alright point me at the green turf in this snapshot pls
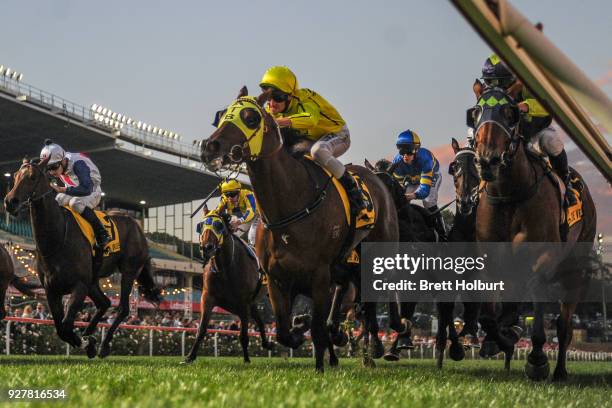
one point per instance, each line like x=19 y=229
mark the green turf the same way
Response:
x=227 y=382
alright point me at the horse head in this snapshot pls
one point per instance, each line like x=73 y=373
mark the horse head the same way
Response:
x=243 y=133
x=495 y=120
x=465 y=177
x=29 y=184
x=214 y=230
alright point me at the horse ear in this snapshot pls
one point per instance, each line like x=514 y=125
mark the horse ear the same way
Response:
x=263 y=98
x=243 y=92
x=477 y=87
x=515 y=89
x=368 y=165
x=455 y=145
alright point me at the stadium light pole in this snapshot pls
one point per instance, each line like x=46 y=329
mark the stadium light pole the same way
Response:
x=143 y=203
x=7 y=176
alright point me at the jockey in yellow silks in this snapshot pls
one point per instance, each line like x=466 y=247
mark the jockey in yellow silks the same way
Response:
x=239 y=203
x=313 y=117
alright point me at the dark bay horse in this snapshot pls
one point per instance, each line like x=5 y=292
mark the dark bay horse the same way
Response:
x=415 y=225
x=520 y=203
x=65 y=263
x=8 y=277
x=307 y=231
x=231 y=280
x=467 y=181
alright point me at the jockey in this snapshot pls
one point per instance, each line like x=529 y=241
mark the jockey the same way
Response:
x=81 y=189
x=535 y=126
x=241 y=205
x=417 y=169
x=314 y=118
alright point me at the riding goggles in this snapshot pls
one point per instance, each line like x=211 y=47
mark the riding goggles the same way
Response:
x=232 y=194
x=409 y=150
x=54 y=166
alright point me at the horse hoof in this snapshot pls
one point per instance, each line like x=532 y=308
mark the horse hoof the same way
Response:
x=90 y=349
x=456 y=352
x=333 y=362
x=104 y=351
x=405 y=343
x=302 y=321
x=537 y=372
x=489 y=349
x=247 y=361
x=392 y=356
x=377 y=350
x=559 y=375
x=340 y=339
x=369 y=363
x=187 y=361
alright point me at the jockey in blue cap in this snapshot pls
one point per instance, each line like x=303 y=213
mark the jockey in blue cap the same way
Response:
x=417 y=169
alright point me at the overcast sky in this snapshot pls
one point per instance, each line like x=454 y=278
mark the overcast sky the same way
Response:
x=386 y=66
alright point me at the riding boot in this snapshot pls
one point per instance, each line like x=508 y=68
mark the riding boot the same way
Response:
x=354 y=192
x=102 y=237
x=559 y=164
x=438 y=223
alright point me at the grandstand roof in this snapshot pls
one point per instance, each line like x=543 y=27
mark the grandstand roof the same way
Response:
x=127 y=177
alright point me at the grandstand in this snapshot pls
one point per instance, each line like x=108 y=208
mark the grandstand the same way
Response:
x=144 y=169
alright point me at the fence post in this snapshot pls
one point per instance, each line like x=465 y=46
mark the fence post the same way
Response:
x=8 y=337
x=269 y=351
x=151 y=343
x=103 y=332
x=67 y=349
x=183 y=343
x=216 y=344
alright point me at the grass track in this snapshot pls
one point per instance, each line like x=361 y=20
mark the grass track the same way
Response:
x=227 y=382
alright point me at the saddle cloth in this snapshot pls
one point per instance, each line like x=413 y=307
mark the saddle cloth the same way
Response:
x=366 y=218
x=114 y=244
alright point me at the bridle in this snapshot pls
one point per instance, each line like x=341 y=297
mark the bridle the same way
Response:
x=32 y=197
x=473 y=194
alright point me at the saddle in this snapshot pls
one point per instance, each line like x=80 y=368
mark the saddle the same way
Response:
x=569 y=215
x=365 y=218
x=113 y=246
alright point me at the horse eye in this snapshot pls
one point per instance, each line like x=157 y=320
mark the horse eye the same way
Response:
x=250 y=117
x=451 y=169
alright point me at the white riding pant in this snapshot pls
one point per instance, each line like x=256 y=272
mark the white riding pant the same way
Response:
x=77 y=203
x=330 y=146
x=250 y=229
x=432 y=198
x=547 y=142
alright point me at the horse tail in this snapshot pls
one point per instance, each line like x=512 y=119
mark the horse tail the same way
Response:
x=146 y=284
x=23 y=287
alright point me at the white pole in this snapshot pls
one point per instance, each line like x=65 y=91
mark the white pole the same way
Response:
x=8 y=338
x=269 y=351
x=216 y=344
x=151 y=343
x=183 y=344
x=67 y=349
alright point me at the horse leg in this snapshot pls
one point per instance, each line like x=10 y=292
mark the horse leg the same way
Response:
x=564 y=334
x=445 y=310
x=281 y=306
x=206 y=307
x=244 y=335
x=320 y=309
x=537 y=367
x=405 y=334
x=333 y=358
x=470 y=328
x=376 y=347
x=260 y=326
x=488 y=323
x=510 y=332
x=57 y=312
x=338 y=337
x=127 y=281
x=75 y=304
x=102 y=304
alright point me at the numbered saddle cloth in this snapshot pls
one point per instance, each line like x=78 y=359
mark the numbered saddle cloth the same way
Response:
x=113 y=246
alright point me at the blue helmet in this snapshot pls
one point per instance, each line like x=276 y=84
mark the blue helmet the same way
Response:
x=408 y=141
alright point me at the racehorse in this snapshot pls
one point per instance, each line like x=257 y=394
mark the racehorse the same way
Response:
x=467 y=181
x=65 y=262
x=307 y=231
x=415 y=225
x=8 y=277
x=231 y=280
x=521 y=203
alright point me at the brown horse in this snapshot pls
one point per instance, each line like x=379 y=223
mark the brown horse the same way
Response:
x=66 y=264
x=8 y=277
x=307 y=231
x=231 y=280
x=520 y=204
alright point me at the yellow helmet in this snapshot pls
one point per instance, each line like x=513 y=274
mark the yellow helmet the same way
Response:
x=281 y=78
x=230 y=185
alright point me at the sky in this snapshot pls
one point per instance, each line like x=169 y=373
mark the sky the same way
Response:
x=386 y=66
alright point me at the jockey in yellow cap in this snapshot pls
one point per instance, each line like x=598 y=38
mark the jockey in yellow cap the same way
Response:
x=241 y=205
x=314 y=118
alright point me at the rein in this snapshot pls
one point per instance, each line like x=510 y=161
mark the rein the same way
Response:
x=521 y=196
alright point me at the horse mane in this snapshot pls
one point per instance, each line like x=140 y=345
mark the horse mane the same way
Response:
x=295 y=144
